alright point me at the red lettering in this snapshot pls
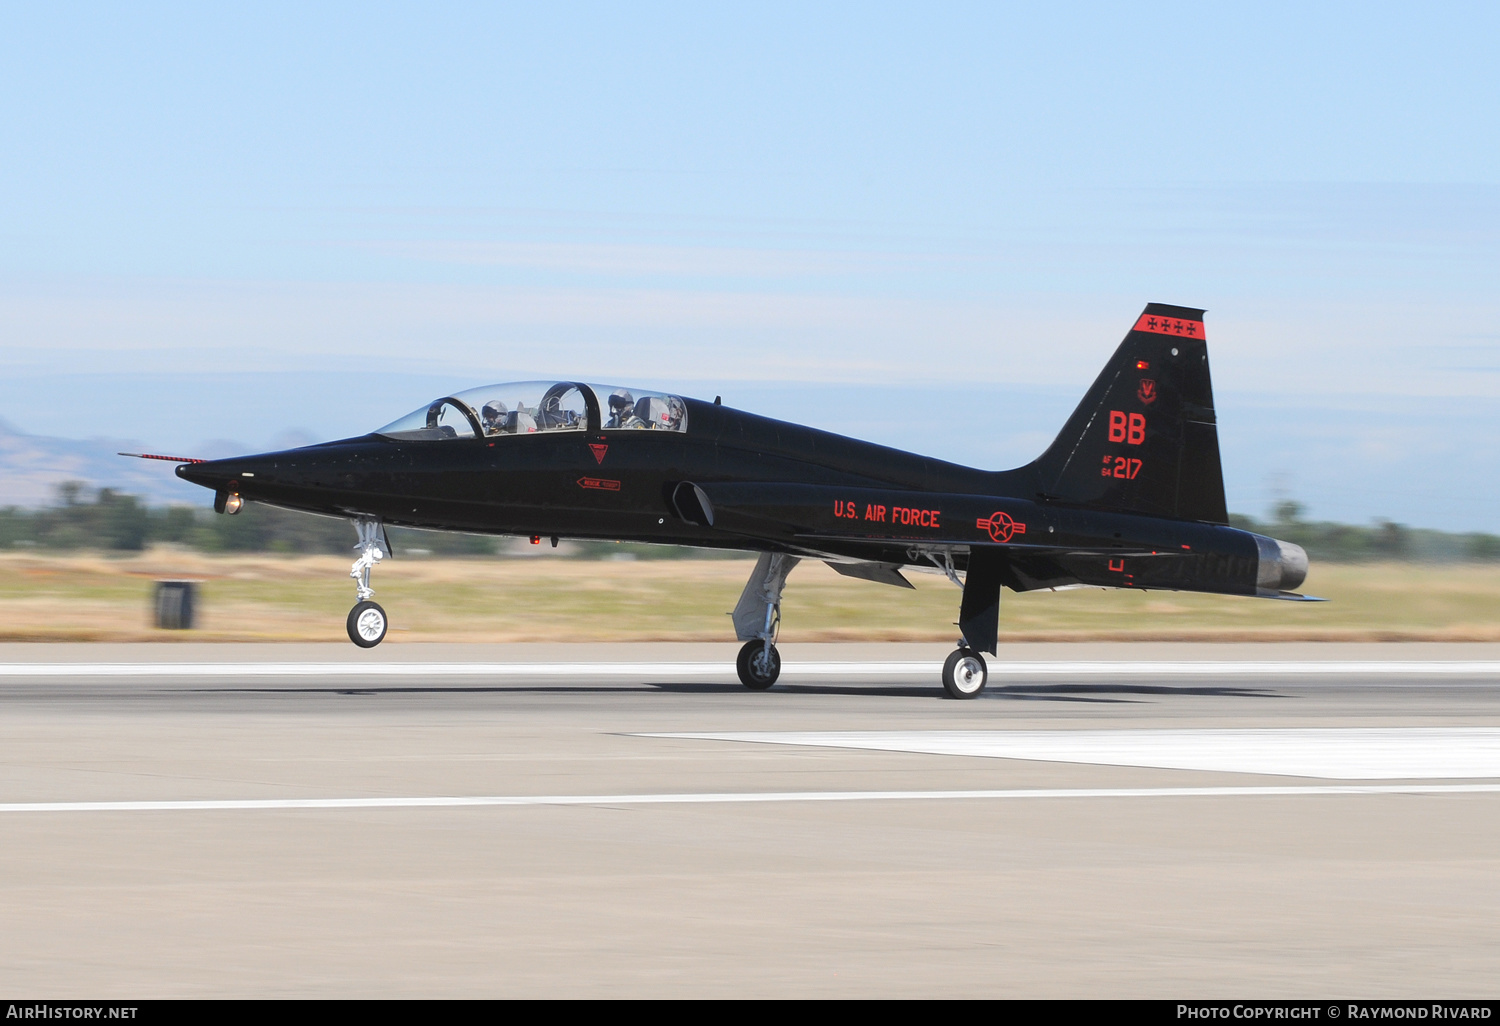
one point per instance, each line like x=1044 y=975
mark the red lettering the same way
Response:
x=1137 y=432
x=1116 y=426
x=905 y=515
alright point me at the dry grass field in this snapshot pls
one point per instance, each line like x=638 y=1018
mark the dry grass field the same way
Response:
x=94 y=597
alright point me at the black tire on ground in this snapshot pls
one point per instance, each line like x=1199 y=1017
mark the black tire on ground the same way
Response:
x=367 y=624
x=965 y=674
x=757 y=671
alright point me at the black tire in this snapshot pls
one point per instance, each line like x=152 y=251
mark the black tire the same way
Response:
x=367 y=624
x=757 y=671
x=965 y=674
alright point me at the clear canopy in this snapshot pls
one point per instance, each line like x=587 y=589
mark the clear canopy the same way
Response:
x=530 y=407
x=631 y=408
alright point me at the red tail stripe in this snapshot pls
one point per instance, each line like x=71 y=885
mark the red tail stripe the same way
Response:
x=1159 y=325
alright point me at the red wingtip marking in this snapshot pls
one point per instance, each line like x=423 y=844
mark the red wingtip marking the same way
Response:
x=153 y=456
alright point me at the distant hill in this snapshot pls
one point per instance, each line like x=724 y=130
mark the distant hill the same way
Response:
x=32 y=466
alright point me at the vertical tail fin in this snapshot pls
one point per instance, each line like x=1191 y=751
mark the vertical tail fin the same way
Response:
x=1144 y=440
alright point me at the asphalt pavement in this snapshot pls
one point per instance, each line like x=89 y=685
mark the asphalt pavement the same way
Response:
x=1133 y=820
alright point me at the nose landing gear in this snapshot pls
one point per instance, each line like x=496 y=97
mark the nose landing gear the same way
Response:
x=367 y=622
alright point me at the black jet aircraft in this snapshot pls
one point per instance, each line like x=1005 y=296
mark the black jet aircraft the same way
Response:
x=1130 y=495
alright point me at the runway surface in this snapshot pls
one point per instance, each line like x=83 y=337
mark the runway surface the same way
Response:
x=1180 y=821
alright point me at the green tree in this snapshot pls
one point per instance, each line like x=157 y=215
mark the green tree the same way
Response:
x=123 y=522
x=1391 y=540
x=1482 y=546
x=1288 y=511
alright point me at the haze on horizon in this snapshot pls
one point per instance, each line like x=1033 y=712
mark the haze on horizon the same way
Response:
x=927 y=226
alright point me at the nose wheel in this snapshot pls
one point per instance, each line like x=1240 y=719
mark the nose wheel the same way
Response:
x=367 y=621
x=367 y=624
x=965 y=674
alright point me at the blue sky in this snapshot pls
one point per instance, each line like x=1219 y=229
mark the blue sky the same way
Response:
x=925 y=224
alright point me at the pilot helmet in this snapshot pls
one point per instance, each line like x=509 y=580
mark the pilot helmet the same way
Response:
x=493 y=414
x=620 y=402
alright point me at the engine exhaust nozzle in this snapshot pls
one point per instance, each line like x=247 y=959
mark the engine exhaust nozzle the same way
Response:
x=1282 y=565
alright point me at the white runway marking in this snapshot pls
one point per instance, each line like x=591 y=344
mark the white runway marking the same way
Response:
x=998 y=670
x=1385 y=753
x=371 y=669
x=730 y=798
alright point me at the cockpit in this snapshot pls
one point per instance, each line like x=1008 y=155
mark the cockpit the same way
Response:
x=533 y=407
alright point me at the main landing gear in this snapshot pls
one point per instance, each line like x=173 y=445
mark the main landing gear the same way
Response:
x=758 y=664
x=757 y=618
x=965 y=673
x=367 y=621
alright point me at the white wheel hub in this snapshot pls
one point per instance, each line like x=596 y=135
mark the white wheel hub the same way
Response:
x=969 y=675
x=371 y=624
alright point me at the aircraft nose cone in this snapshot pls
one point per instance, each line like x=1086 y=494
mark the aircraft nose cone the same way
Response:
x=238 y=474
x=209 y=474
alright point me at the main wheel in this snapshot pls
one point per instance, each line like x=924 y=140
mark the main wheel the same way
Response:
x=367 y=624
x=758 y=668
x=964 y=674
